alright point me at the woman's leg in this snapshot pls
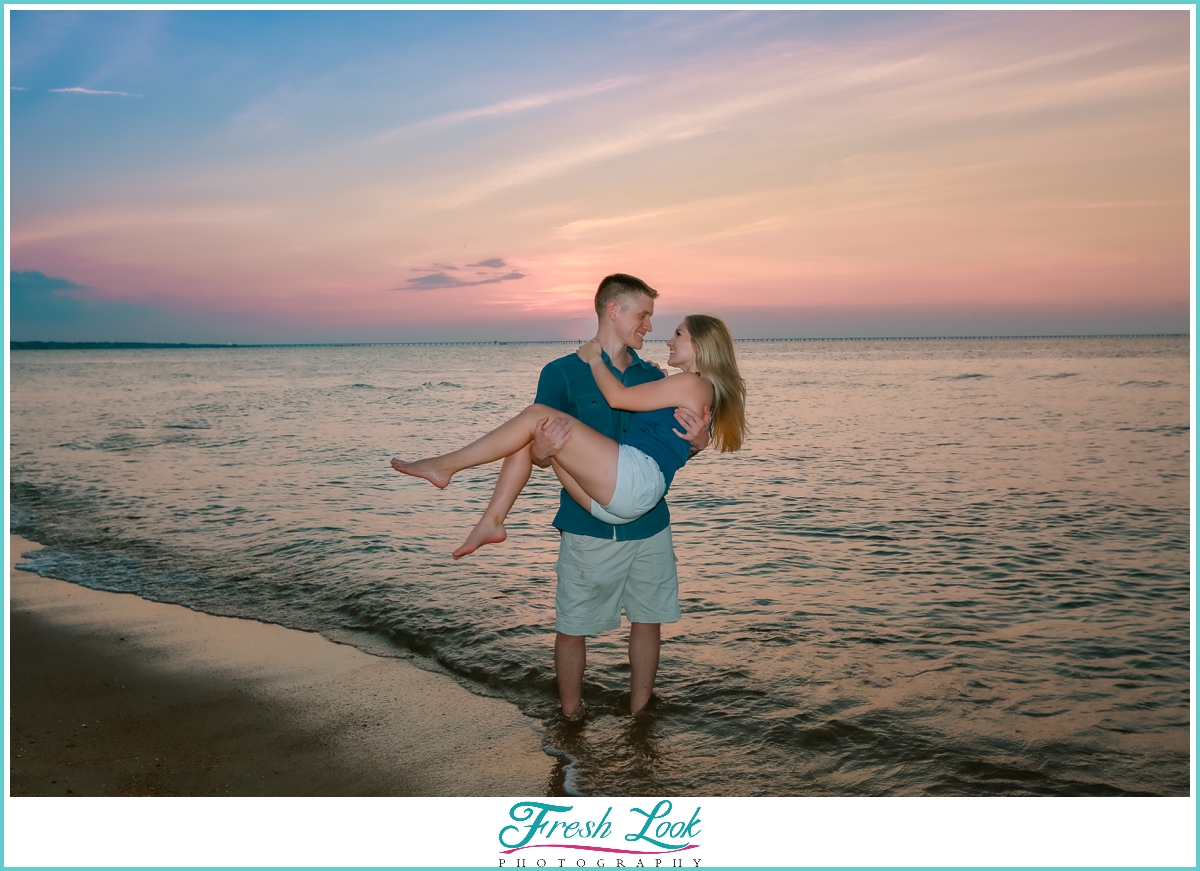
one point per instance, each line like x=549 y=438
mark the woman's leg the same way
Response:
x=572 y=486
x=514 y=474
x=589 y=457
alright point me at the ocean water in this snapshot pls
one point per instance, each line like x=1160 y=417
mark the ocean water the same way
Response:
x=943 y=567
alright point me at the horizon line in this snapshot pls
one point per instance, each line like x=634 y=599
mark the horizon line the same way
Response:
x=36 y=345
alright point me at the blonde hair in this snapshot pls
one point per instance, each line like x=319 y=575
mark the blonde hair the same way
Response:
x=715 y=361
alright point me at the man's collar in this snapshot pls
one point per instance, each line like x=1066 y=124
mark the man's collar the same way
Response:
x=633 y=358
x=639 y=360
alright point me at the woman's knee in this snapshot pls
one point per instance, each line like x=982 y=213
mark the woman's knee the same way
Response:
x=538 y=411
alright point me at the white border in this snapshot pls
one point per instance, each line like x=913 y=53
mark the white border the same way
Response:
x=811 y=832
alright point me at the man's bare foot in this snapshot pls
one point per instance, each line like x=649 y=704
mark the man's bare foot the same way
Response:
x=485 y=532
x=578 y=715
x=422 y=469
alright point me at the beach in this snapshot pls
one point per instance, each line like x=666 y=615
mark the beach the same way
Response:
x=112 y=694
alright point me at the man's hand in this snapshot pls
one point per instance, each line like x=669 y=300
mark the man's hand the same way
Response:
x=589 y=352
x=549 y=435
x=695 y=427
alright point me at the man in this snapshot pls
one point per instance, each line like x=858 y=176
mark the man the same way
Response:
x=604 y=569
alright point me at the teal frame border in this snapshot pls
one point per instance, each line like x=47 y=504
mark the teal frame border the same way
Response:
x=850 y=4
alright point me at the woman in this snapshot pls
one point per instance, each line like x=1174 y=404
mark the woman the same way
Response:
x=617 y=483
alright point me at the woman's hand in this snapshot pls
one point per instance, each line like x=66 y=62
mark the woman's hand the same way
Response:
x=590 y=352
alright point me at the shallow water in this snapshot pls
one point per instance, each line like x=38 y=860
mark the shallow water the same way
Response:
x=938 y=567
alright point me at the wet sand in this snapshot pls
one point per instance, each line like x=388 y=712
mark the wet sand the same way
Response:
x=115 y=695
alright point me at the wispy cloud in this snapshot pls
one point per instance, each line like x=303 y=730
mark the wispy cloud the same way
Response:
x=506 y=107
x=577 y=155
x=15 y=88
x=434 y=268
x=442 y=281
x=592 y=225
x=439 y=280
x=641 y=135
x=90 y=91
x=86 y=222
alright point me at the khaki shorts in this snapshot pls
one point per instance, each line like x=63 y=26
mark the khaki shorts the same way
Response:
x=598 y=578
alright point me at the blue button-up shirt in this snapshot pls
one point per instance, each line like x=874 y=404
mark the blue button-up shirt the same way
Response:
x=567 y=384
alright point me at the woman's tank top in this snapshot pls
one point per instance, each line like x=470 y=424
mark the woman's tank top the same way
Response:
x=651 y=433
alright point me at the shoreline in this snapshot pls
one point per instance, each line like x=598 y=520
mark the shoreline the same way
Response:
x=112 y=694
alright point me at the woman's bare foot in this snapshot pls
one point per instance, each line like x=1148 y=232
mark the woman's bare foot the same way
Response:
x=485 y=532
x=423 y=469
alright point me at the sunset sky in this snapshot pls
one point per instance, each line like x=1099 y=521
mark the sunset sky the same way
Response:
x=310 y=175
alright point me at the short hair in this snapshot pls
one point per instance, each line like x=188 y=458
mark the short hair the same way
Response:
x=618 y=287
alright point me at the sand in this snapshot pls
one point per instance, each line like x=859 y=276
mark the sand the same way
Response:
x=112 y=694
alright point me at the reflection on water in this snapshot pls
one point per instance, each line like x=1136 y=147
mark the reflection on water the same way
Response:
x=939 y=567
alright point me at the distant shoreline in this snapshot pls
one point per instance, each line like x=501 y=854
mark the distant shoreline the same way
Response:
x=125 y=346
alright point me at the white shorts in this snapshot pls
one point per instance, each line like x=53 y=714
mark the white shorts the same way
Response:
x=640 y=484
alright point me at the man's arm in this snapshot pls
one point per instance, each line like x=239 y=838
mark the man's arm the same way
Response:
x=551 y=391
x=695 y=428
